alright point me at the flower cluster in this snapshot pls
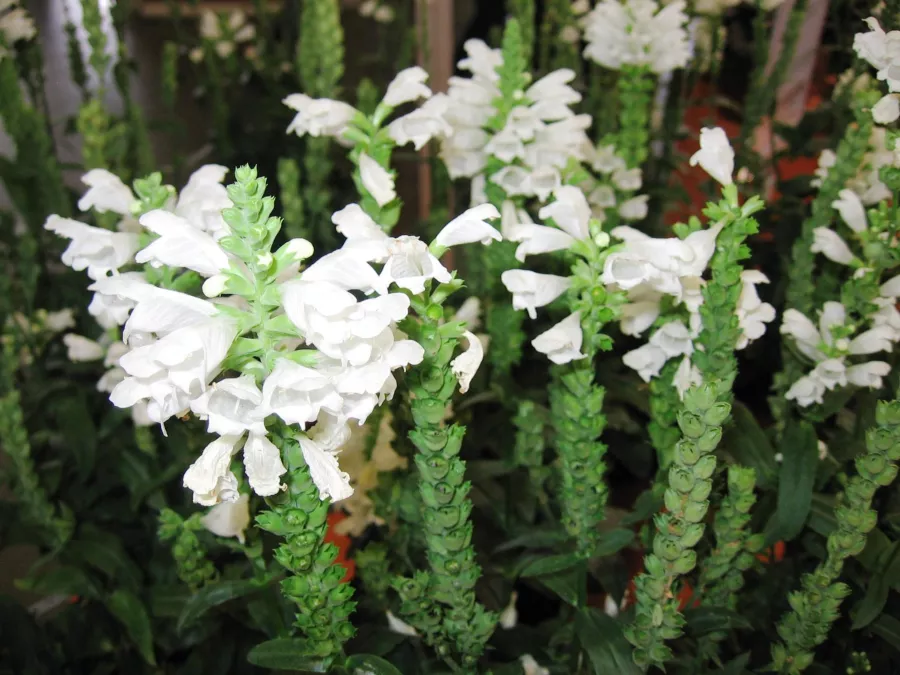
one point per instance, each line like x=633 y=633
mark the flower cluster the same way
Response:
x=532 y=141
x=882 y=51
x=650 y=270
x=222 y=34
x=378 y=10
x=638 y=33
x=15 y=25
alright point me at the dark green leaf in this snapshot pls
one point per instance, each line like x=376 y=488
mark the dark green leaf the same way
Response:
x=570 y=585
x=535 y=539
x=104 y=552
x=821 y=515
x=130 y=611
x=705 y=620
x=60 y=581
x=481 y=469
x=286 y=654
x=644 y=506
x=368 y=664
x=884 y=577
x=795 y=482
x=612 y=542
x=167 y=602
x=551 y=564
x=601 y=637
x=888 y=629
x=750 y=446
x=737 y=666
x=213 y=596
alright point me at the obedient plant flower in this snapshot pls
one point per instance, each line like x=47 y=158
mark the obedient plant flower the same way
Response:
x=409 y=85
x=93 y=249
x=318 y=117
x=638 y=33
x=181 y=245
x=229 y=519
x=753 y=314
x=531 y=290
x=422 y=124
x=882 y=51
x=80 y=348
x=377 y=180
x=223 y=33
x=15 y=25
x=562 y=343
x=106 y=192
x=832 y=246
x=715 y=155
x=466 y=364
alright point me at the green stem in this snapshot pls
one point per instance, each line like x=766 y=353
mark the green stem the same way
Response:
x=635 y=95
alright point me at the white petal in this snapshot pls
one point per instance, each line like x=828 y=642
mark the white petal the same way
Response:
x=466 y=364
x=831 y=245
x=562 y=343
x=878 y=339
x=470 y=227
x=647 y=360
x=106 y=192
x=891 y=287
x=323 y=466
x=376 y=180
x=80 y=348
x=540 y=239
x=868 y=374
x=229 y=519
x=570 y=212
x=887 y=110
x=852 y=210
x=262 y=462
x=205 y=476
x=408 y=85
x=181 y=245
x=532 y=289
x=715 y=155
x=395 y=625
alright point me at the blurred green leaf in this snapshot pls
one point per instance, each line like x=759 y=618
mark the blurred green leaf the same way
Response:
x=286 y=654
x=795 y=482
x=750 y=446
x=367 y=664
x=602 y=639
x=130 y=612
x=212 y=596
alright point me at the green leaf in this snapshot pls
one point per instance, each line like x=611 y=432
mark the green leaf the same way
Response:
x=750 y=446
x=534 y=539
x=63 y=580
x=167 y=602
x=570 y=585
x=795 y=482
x=368 y=664
x=612 y=542
x=888 y=629
x=706 y=620
x=286 y=654
x=213 y=596
x=645 y=506
x=550 y=564
x=602 y=639
x=104 y=552
x=481 y=469
x=130 y=611
x=737 y=666
x=880 y=582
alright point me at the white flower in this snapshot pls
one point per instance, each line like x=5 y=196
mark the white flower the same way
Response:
x=175 y=369
x=93 y=249
x=229 y=519
x=715 y=155
x=606 y=161
x=570 y=212
x=804 y=332
x=878 y=339
x=377 y=181
x=868 y=374
x=886 y=315
x=469 y=313
x=180 y=245
x=80 y=348
x=262 y=462
x=753 y=314
x=882 y=51
x=106 y=192
x=111 y=309
x=297 y=394
x=210 y=477
x=806 y=391
x=15 y=25
x=562 y=342
x=470 y=227
x=509 y=617
x=851 y=209
x=203 y=198
x=411 y=265
x=514 y=180
x=532 y=667
x=647 y=360
x=318 y=117
x=506 y=146
x=610 y=608
x=395 y=625
x=532 y=290
x=554 y=94
x=687 y=376
x=627 y=180
x=891 y=288
x=831 y=373
x=60 y=320
x=422 y=124
x=831 y=245
x=232 y=406
x=320 y=448
x=637 y=32
x=540 y=239
x=408 y=85
x=635 y=208
x=887 y=110
x=640 y=312
x=466 y=364
x=349 y=268
x=674 y=339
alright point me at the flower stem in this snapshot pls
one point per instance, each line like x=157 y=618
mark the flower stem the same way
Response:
x=635 y=95
x=816 y=606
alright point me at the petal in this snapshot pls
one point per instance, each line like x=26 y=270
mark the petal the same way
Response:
x=466 y=364
x=262 y=462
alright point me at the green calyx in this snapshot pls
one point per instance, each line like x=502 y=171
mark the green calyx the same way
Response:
x=635 y=94
x=657 y=616
x=441 y=603
x=315 y=584
x=816 y=606
x=191 y=563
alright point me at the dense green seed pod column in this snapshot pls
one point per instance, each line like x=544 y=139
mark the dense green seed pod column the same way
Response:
x=191 y=563
x=664 y=406
x=635 y=95
x=722 y=573
x=315 y=583
x=816 y=606
x=441 y=603
x=678 y=530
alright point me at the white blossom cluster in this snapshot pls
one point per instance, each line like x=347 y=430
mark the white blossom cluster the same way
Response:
x=836 y=341
x=650 y=269
x=541 y=132
x=181 y=353
x=638 y=33
x=378 y=10
x=224 y=33
x=15 y=25
x=867 y=183
x=882 y=51
x=614 y=186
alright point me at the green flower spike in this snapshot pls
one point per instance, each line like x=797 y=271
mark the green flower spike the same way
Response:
x=635 y=94
x=816 y=606
x=191 y=563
